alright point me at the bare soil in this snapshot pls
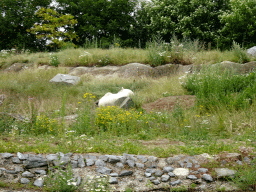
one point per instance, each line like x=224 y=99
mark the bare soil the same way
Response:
x=170 y=103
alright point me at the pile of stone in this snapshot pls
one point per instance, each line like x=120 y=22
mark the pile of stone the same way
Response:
x=139 y=172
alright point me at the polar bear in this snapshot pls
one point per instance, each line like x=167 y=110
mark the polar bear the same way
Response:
x=109 y=99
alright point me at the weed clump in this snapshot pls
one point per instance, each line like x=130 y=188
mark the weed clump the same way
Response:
x=215 y=88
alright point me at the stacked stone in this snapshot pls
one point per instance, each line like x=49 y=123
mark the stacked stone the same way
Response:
x=26 y=168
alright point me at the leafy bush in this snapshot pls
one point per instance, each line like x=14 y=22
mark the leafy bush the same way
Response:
x=239 y=53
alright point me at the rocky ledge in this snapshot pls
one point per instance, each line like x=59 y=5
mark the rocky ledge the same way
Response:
x=139 y=70
x=136 y=172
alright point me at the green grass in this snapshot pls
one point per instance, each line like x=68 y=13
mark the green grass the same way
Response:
x=223 y=118
x=157 y=53
x=29 y=93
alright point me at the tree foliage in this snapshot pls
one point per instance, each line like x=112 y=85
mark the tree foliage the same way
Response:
x=16 y=17
x=239 y=23
x=100 y=19
x=187 y=19
x=129 y=22
x=50 y=24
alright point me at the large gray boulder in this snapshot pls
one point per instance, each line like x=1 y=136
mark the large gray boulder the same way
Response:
x=16 y=67
x=66 y=79
x=136 y=70
x=252 y=51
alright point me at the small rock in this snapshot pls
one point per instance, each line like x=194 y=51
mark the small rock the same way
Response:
x=151 y=178
x=129 y=157
x=113 y=174
x=147 y=174
x=113 y=159
x=165 y=178
x=181 y=172
x=158 y=173
x=39 y=182
x=103 y=170
x=63 y=161
x=131 y=163
x=27 y=174
x=119 y=165
x=40 y=171
x=192 y=177
x=202 y=170
x=11 y=171
x=74 y=164
x=207 y=177
x=181 y=164
x=189 y=165
x=170 y=161
x=6 y=155
x=34 y=162
x=78 y=181
x=177 y=182
x=171 y=174
x=66 y=79
x=91 y=157
x=52 y=157
x=103 y=158
x=113 y=180
x=140 y=165
x=60 y=155
x=24 y=181
x=100 y=163
x=21 y=156
x=140 y=179
x=168 y=169
x=16 y=160
x=80 y=161
x=142 y=158
x=152 y=159
x=90 y=162
x=224 y=172
x=75 y=157
x=125 y=173
x=68 y=155
x=150 y=171
x=156 y=182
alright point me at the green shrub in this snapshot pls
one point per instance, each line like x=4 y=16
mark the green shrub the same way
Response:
x=60 y=181
x=245 y=177
x=157 y=52
x=240 y=54
x=85 y=123
x=6 y=123
x=215 y=88
x=54 y=61
x=117 y=121
x=44 y=125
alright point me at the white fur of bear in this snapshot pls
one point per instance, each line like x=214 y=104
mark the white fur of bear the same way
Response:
x=109 y=98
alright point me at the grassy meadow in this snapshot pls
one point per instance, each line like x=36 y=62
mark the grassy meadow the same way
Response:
x=223 y=118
